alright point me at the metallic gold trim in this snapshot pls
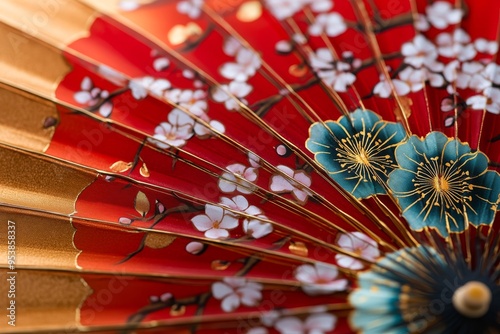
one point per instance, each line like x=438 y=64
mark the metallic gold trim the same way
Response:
x=27 y=121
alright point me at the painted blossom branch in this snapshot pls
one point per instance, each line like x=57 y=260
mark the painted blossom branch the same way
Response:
x=158 y=217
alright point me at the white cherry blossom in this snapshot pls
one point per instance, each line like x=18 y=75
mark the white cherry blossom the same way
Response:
x=456 y=45
x=237 y=203
x=484 y=46
x=421 y=23
x=193 y=100
x=318 y=323
x=360 y=244
x=231 y=46
x=229 y=93
x=175 y=132
x=255 y=226
x=296 y=185
x=141 y=86
x=236 y=291
x=419 y=52
x=319 y=5
x=490 y=101
x=319 y=279
x=161 y=63
x=191 y=8
x=384 y=89
x=246 y=65
x=441 y=14
x=238 y=179
x=468 y=75
x=416 y=78
x=215 y=222
x=333 y=73
x=283 y=9
x=332 y=24
x=91 y=96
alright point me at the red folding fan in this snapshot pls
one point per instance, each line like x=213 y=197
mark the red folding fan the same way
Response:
x=249 y=167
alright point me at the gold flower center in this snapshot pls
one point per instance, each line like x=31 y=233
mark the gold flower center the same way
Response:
x=362 y=158
x=441 y=184
x=216 y=224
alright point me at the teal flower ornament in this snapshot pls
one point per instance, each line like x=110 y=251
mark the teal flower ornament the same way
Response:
x=357 y=151
x=426 y=290
x=441 y=183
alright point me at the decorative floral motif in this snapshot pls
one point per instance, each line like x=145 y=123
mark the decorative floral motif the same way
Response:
x=332 y=24
x=358 y=151
x=418 y=290
x=440 y=183
x=360 y=244
x=141 y=86
x=298 y=186
x=175 y=132
x=238 y=179
x=441 y=14
x=236 y=291
x=320 y=279
x=215 y=222
x=227 y=94
x=334 y=73
x=92 y=96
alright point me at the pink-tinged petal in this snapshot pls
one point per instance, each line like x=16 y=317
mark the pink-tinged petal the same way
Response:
x=306 y=273
x=250 y=174
x=220 y=94
x=235 y=282
x=326 y=272
x=320 y=322
x=202 y=223
x=240 y=89
x=279 y=184
x=228 y=202
x=245 y=187
x=249 y=296
x=236 y=168
x=231 y=46
x=345 y=261
x=215 y=213
x=217 y=233
x=218 y=126
x=221 y=290
x=125 y=221
x=300 y=195
x=253 y=210
x=230 y=303
x=230 y=70
x=160 y=64
x=86 y=84
x=257 y=229
x=289 y=325
x=229 y=221
x=226 y=183
x=241 y=202
x=345 y=242
x=195 y=247
x=82 y=97
x=303 y=178
x=106 y=109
